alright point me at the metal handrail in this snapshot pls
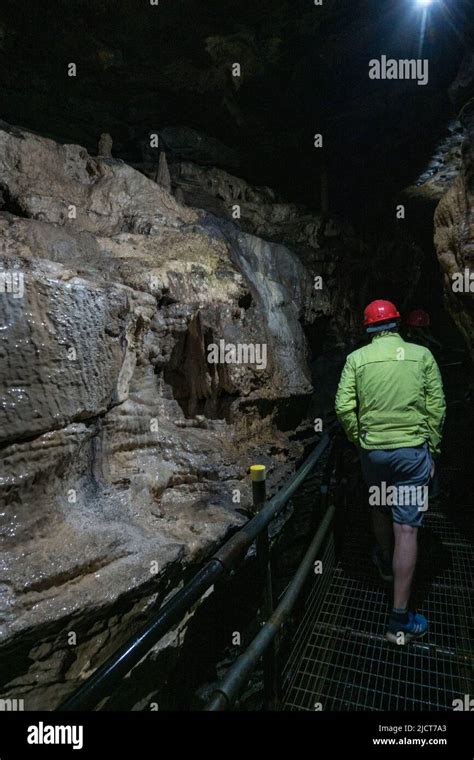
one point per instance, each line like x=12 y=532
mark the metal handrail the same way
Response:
x=226 y=693
x=107 y=677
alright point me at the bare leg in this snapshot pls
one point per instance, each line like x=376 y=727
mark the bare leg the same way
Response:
x=404 y=561
x=382 y=525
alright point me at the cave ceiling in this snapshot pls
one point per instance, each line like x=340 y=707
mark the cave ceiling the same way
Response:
x=304 y=69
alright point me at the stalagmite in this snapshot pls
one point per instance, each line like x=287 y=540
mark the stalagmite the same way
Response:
x=104 y=148
x=163 y=175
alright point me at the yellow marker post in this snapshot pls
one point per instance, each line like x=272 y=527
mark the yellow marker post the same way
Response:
x=258 y=472
x=258 y=475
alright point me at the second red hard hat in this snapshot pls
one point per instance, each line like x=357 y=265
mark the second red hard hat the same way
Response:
x=418 y=318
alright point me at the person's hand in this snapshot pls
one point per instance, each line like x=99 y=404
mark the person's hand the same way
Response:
x=432 y=470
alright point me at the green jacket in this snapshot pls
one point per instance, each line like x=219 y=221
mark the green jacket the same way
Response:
x=390 y=395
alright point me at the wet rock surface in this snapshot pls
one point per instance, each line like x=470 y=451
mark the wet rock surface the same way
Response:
x=443 y=167
x=454 y=216
x=122 y=447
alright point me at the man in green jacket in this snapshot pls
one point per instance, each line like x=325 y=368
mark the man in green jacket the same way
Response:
x=391 y=404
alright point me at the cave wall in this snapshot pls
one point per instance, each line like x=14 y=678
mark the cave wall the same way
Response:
x=454 y=216
x=121 y=446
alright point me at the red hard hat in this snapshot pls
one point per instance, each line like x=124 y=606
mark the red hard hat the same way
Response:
x=380 y=311
x=418 y=318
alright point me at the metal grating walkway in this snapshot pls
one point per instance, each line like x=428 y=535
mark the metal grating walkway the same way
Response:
x=340 y=658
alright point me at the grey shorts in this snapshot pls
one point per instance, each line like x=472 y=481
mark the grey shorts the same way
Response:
x=398 y=481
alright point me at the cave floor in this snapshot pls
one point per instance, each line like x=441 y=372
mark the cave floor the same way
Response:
x=340 y=659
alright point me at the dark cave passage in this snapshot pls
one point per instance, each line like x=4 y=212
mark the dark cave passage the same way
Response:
x=198 y=202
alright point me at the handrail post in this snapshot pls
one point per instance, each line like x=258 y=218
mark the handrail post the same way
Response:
x=258 y=475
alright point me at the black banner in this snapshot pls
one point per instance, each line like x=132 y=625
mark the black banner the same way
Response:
x=96 y=735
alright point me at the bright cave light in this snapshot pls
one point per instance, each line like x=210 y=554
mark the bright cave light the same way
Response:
x=424 y=3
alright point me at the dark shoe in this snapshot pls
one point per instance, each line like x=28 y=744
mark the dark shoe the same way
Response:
x=384 y=568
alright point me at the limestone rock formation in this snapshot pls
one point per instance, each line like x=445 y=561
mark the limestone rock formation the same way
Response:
x=104 y=147
x=259 y=211
x=454 y=218
x=101 y=196
x=193 y=145
x=443 y=167
x=163 y=174
x=122 y=447
x=351 y=267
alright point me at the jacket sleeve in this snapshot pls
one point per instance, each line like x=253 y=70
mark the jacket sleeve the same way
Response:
x=434 y=403
x=346 y=402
